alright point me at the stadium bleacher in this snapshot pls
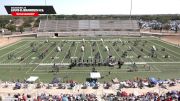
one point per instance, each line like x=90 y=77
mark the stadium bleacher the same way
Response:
x=88 y=27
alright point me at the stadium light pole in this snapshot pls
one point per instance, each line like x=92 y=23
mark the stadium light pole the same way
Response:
x=130 y=15
x=130 y=10
x=46 y=21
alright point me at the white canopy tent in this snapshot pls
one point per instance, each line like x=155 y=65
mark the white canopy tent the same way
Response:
x=32 y=78
x=95 y=75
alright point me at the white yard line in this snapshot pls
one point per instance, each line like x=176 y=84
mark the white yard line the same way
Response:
x=33 y=69
x=44 y=72
x=92 y=57
x=147 y=52
x=178 y=62
x=150 y=58
x=10 y=45
x=104 y=47
x=12 y=64
x=82 y=57
x=66 y=53
x=43 y=59
x=28 y=55
x=83 y=53
x=156 y=68
x=57 y=52
x=79 y=40
x=125 y=69
x=134 y=52
x=48 y=54
x=14 y=50
x=167 y=43
x=123 y=50
x=143 y=52
x=16 y=54
x=157 y=62
x=115 y=51
x=75 y=50
x=99 y=51
x=33 y=54
x=167 y=49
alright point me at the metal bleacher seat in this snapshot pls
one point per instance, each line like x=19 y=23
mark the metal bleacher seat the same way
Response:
x=104 y=27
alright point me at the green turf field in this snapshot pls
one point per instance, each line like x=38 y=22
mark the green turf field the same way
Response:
x=36 y=57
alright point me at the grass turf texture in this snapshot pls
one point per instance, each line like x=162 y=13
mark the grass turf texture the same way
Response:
x=14 y=68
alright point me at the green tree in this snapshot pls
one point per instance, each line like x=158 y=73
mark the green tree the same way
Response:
x=21 y=29
x=3 y=22
x=166 y=27
x=12 y=28
x=26 y=24
x=36 y=23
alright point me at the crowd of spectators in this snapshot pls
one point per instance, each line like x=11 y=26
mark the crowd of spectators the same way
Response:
x=118 y=95
x=149 y=96
x=48 y=97
x=172 y=25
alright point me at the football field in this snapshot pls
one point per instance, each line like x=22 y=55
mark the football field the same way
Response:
x=38 y=56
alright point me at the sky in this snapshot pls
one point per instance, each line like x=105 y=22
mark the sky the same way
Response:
x=94 y=7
